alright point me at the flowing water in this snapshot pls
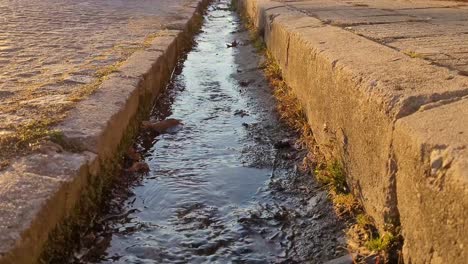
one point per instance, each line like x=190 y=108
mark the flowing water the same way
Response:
x=226 y=186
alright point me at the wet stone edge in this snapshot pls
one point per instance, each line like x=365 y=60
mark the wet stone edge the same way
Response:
x=67 y=234
x=365 y=243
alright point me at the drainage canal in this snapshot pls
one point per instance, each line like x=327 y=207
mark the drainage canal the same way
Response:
x=225 y=186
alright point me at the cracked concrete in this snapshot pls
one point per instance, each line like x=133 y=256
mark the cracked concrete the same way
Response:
x=389 y=98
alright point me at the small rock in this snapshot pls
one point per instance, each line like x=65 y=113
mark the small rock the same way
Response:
x=232 y=44
x=346 y=259
x=89 y=238
x=313 y=202
x=241 y=113
x=245 y=83
x=372 y=259
x=316 y=216
x=284 y=143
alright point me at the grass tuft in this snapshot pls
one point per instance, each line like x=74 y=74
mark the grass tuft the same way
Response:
x=364 y=221
x=381 y=243
x=233 y=5
x=334 y=177
x=101 y=73
x=259 y=45
x=345 y=204
x=34 y=131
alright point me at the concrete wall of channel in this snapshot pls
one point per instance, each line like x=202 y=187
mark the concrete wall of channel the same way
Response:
x=398 y=124
x=40 y=191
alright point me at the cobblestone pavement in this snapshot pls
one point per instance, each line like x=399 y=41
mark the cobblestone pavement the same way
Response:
x=433 y=30
x=50 y=49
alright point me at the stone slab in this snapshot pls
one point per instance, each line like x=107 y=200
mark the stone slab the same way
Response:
x=431 y=152
x=35 y=194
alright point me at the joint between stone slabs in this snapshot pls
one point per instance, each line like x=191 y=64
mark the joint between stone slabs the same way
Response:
x=274 y=7
x=433 y=101
x=441 y=103
x=155 y=49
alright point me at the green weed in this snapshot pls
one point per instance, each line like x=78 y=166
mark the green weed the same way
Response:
x=381 y=243
x=32 y=132
x=334 y=177
x=364 y=221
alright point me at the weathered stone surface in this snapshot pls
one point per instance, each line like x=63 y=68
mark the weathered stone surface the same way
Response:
x=355 y=88
x=38 y=191
x=112 y=106
x=349 y=92
x=98 y=123
x=426 y=29
x=431 y=152
x=51 y=48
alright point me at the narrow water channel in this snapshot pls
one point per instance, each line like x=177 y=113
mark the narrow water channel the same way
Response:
x=224 y=187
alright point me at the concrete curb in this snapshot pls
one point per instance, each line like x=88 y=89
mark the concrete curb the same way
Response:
x=398 y=124
x=41 y=190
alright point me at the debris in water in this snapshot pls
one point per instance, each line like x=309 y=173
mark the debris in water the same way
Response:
x=241 y=113
x=139 y=167
x=284 y=143
x=162 y=126
x=346 y=259
x=245 y=83
x=232 y=44
x=133 y=154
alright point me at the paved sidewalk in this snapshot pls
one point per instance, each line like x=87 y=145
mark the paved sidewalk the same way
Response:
x=434 y=30
x=53 y=52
